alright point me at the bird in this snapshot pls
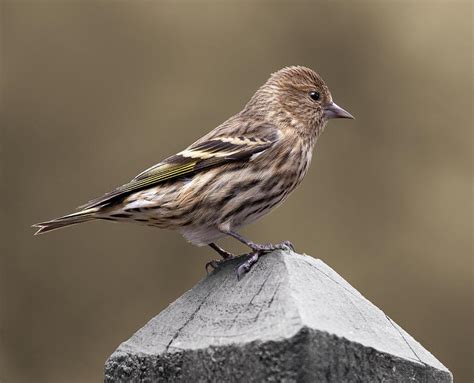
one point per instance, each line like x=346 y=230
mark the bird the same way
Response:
x=230 y=177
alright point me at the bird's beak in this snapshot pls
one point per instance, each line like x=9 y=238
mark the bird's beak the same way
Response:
x=334 y=111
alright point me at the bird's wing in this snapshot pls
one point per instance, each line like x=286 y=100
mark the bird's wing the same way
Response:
x=204 y=153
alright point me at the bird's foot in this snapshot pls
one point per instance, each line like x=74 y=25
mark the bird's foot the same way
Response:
x=268 y=247
x=258 y=251
x=245 y=266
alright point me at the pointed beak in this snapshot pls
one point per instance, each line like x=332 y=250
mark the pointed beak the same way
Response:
x=335 y=111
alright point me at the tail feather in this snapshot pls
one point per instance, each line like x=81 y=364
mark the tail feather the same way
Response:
x=70 y=219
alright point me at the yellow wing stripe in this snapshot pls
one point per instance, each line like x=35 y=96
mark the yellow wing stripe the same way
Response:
x=162 y=176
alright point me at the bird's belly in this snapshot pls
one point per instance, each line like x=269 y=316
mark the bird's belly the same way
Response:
x=249 y=210
x=241 y=210
x=246 y=199
x=201 y=235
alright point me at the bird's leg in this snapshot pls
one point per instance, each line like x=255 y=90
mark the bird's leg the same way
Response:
x=223 y=253
x=257 y=251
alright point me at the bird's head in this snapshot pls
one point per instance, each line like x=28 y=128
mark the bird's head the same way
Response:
x=298 y=97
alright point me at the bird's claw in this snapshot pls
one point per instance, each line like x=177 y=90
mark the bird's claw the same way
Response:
x=257 y=252
x=286 y=245
x=245 y=266
x=251 y=258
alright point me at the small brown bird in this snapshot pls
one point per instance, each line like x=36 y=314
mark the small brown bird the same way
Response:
x=232 y=176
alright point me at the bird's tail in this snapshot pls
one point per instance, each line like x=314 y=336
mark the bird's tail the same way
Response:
x=70 y=219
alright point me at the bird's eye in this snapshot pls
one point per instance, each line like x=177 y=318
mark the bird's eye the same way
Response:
x=314 y=95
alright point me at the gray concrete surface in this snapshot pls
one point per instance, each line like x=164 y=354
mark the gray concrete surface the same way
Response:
x=291 y=318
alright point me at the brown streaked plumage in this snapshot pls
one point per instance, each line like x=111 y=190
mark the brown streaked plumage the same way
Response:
x=235 y=174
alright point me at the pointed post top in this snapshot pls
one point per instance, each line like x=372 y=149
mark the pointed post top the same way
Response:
x=291 y=317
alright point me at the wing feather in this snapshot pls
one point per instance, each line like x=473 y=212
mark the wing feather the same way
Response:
x=201 y=155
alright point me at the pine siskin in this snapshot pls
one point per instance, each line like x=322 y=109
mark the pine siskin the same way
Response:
x=232 y=176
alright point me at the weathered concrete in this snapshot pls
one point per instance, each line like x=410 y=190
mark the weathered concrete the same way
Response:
x=291 y=318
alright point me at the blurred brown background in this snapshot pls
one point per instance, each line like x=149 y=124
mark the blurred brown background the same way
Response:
x=94 y=92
